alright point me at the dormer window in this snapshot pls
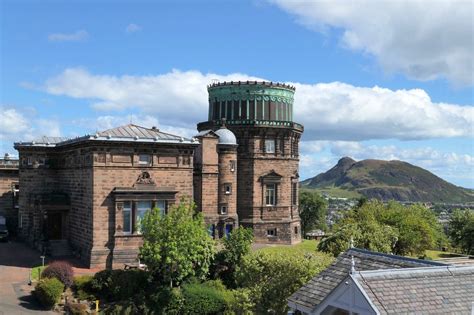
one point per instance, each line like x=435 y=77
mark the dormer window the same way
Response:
x=144 y=159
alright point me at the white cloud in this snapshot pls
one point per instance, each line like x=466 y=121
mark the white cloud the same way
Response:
x=132 y=28
x=422 y=39
x=24 y=126
x=12 y=122
x=176 y=98
x=335 y=111
x=102 y=123
x=77 y=36
x=344 y=112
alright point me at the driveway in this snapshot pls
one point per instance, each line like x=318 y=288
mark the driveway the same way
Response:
x=16 y=259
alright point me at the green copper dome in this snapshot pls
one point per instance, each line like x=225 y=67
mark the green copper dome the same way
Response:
x=251 y=101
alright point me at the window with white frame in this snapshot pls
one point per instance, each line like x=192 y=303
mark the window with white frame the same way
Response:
x=142 y=208
x=127 y=217
x=223 y=209
x=272 y=232
x=227 y=188
x=269 y=146
x=144 y=159
x=270 y=194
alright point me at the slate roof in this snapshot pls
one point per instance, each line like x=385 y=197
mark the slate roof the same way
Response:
x=434 y=290
x=313 y=293
x=127 y=133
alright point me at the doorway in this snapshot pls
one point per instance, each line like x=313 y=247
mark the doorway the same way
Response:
x=55 y=226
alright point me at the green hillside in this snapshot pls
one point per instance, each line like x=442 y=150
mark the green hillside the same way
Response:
x=386 y=180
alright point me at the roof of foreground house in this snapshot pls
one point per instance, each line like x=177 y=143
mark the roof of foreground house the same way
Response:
x=316 y=290
x=126 y=133
x=432 y=290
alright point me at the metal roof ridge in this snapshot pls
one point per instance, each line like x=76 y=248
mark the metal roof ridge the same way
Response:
x=367 y=274
x=396 y=257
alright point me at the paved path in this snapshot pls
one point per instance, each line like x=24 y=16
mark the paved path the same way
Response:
x=16 y=259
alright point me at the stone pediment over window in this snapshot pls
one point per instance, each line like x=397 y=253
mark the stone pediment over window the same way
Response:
x=144 y=179
x=271 y=177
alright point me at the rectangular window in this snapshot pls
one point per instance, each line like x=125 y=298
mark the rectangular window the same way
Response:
x=142 y=208
x=223 y=209
x=232 y=165
x=161 y=204
x=144 y=159
x=272 y=232
x=296 y=230
x=227 y=189
x=30 y=160
x=20 y=221
x=269 y=146
x=270 y=195
x=294 y=193
x=127 y=217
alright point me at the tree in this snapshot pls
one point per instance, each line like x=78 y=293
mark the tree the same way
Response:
x=313 y=211
x=236 y=246
x=390 y=228
x=176 y=246
x=361 y=227
x=271 y=277
x=461 y=230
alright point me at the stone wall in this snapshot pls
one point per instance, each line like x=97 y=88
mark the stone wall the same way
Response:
x=8 y=178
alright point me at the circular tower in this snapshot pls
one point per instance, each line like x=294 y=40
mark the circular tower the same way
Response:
x=260 y=114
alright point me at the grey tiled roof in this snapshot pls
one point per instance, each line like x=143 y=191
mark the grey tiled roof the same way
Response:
x=127 y=133
x=313 y=293
x=438 y=290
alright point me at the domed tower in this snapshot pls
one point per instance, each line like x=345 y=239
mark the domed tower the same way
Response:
x=260 y=114
x=215 y=180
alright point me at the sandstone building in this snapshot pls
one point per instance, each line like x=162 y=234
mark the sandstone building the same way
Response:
x=260 y=114
x=90 y=192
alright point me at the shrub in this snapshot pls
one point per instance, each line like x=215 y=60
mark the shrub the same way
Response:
x=76 y=309
x=205 y=298
x=116 y=285
x=272 y=277
x=83 y=287
x=48 y=291
x=166 y=300
x=241 y=303
x=60 y=270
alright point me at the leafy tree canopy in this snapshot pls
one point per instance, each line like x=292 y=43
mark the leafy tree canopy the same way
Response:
x=176 y=246
x=461 y=230
x=313 y=211
x=272 y=277
x=392 y=227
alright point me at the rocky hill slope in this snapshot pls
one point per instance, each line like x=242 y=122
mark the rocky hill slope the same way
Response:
x=387 y=180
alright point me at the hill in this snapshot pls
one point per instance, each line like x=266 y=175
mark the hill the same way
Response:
x=386 y=180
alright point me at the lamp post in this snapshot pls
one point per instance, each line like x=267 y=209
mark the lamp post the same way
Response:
x=42 y=267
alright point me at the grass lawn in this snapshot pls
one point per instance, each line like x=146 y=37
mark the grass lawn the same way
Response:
x=306 y=246
x=437 y=254
x=36 y=271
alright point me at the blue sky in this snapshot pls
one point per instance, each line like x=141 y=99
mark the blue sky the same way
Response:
x=375 y=79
